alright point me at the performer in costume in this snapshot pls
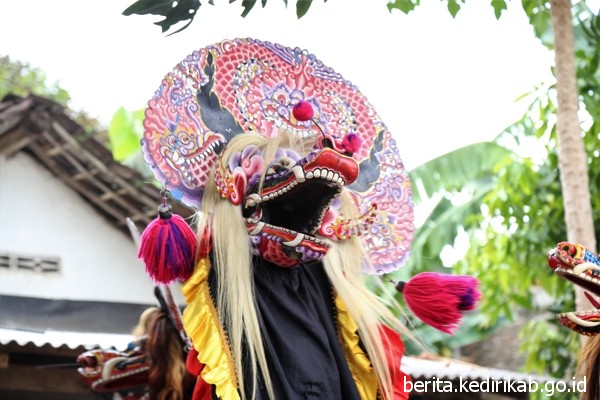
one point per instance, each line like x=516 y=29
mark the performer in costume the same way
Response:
x=579 y=265
x=301 y=191
x=153 y=367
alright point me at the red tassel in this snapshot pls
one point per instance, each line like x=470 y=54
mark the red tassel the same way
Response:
x=168 y=247
x=439 y=299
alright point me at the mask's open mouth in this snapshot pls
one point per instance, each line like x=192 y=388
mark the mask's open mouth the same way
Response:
x=285 y=215
x=297 y=199
x=578 y=265
x=302 y=208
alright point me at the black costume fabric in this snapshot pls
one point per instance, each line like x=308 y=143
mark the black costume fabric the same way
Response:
x=297 y=311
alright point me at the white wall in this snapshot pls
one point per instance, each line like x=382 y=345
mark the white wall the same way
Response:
x=39 y=215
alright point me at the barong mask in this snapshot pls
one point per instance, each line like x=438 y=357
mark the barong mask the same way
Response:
x=294 y=202
x=579 y=265
x=292 y=199
x=247 y=86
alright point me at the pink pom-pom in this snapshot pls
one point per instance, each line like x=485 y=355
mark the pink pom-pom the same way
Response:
x=439 y=299
x=351 y=143
x=168 y=248
x=303 y=111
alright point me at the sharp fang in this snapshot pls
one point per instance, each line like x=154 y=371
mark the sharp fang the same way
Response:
x=585 y=267
x=573 y=318
x=177 y=159
x=296 y=241
x=299 y=173
x=257 y=229
x=253 y=199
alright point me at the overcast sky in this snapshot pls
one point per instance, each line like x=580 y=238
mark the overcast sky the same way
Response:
x=438 y=83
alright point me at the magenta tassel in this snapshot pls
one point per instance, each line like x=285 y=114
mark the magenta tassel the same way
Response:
x=168 y=247
x=351 y=143
x=440 y=299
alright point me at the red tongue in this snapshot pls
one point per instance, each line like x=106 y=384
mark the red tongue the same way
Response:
x=592 y=300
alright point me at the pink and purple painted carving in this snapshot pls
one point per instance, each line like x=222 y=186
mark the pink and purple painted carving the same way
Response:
x=244 y=85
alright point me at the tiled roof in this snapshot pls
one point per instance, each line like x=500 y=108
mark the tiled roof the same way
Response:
x=418 y=368
x=60 y=339
x=43 y=129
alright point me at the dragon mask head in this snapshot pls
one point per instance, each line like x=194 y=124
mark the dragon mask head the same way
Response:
x=580 y=266
x=247 y=87
x=288 y=196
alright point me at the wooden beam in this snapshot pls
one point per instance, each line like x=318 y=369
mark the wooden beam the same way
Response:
x=15 y=146
x=106 y=192
x=92 y=197
x=81 y=151
x=13 y=115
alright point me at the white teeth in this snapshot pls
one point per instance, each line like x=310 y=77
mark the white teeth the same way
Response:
x=252 y=200
x=573 y=318
x=265 y=198
x=177 y=159
x=299 y=173
x=335 y=177
x=257 y=229
x=579 y=269
x=317 y=173
x=296 y=241
x=330 y=175
x=109 y=365
x=309 y=175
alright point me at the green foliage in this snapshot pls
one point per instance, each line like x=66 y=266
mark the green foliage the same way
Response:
x=405 y=6
x=454 y=6
x=512 y=213
x=174 y=11
x=180 y=11
x=125 y=132
x=22 y=79
x=549 y=350
x=499 y=6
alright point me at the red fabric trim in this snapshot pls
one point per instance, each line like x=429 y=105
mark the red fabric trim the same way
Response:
x=394 y=349
x=202 y=390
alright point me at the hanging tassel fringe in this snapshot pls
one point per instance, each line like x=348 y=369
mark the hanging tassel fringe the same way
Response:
x=168 y=247
x=440 y=299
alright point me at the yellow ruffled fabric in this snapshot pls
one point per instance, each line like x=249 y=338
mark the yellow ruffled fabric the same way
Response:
x=204 y=328
x=358 y=362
